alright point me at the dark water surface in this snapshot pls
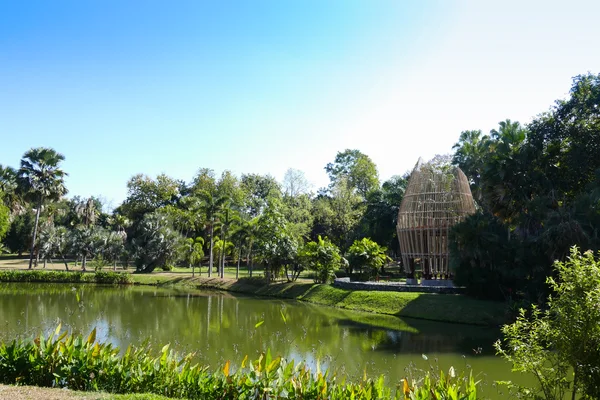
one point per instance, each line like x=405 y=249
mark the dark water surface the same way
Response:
x=220 y=326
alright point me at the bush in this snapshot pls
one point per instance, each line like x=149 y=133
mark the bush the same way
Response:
x=65 y=277
x=560 y=346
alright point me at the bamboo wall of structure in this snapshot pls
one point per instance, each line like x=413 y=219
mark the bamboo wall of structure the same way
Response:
x=435 y=200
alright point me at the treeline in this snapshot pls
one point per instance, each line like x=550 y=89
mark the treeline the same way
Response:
x=163 y=222
x=537 y=188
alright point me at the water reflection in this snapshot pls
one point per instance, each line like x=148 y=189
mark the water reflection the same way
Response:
x=220 y=327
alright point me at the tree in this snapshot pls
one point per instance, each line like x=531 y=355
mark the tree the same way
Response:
x=381 y=214
x=295 y=183
x=87 y=242
x=191 y=249
x=337 y=216
x=469 y=155
x=41 y=179
x=53 y=241
x=155 y=242
x=146 y=195
x=367 y=253
x=114 y=247
x=4 y=217
x=322 y=257
x=18 y=238
x=357 y=168
x=258 y=191
x=274 y=245
x=560 y=346
x=210 y=204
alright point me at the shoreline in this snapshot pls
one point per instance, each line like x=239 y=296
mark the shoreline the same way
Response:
x=451 y=308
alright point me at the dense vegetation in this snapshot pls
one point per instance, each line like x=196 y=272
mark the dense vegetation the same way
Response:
x=538 y=192
x=63 y=360
x=536 y=187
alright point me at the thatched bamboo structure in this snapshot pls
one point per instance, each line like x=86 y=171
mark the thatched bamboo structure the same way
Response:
x=437 y=197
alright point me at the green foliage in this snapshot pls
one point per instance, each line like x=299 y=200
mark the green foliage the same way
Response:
x=560 y=346
x=4 y=217
x=367 y=253
x=18 y=238
x=155 y=243
x=357 y=168
x=65 y=277
x=434 y=384
x=145 y=195
x=322 y=257
x=78 y=363
x=337 y=215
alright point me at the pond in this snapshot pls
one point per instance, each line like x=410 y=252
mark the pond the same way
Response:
x=222 y=326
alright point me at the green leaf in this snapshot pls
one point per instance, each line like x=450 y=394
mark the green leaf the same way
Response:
x=259 y=324
x=92 y=337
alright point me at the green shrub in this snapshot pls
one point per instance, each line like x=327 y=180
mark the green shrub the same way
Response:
x=65 y=277
x=113 y=278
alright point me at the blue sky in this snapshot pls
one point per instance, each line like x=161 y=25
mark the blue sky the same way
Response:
x=122 y=87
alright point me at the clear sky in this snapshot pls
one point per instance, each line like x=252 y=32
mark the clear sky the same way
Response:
x=122 y=87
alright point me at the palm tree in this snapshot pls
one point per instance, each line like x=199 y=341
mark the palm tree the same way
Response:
x=87 y=211
x=210 y=204
x=192 y=252
x=41 y=179
x=228 y=217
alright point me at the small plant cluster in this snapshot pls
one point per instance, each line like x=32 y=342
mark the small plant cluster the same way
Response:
x=112 y=278
x=65 y=360
x=434 y=384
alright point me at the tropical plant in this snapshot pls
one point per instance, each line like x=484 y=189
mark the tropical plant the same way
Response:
x=53 y=242
x=367 y=253
x=322 y=257
x=210 y=204
x=560 y=345
x=192 y=252
x=41 y=179
x=155 y=242
x=75 y=362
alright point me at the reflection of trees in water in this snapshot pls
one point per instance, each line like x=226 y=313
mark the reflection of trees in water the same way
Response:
x=223 y=328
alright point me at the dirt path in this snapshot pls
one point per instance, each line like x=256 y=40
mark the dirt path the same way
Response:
x=35 y=393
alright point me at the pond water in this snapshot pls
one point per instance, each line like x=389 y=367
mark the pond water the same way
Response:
x=221 y=326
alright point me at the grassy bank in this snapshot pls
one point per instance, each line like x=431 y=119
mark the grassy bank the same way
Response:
x=435 y=307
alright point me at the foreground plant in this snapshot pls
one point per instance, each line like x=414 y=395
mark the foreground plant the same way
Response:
x=65 y=360
x=560 y=346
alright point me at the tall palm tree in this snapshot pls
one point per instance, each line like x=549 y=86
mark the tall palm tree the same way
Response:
x=210 y=204
x=41 y=179
x=228 y=217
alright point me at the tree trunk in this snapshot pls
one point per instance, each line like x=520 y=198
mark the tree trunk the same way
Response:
x=237 y=270
x=65 y=261
x=115 y=265
x=210 y=261
x=45 y=261
x=83 y=260
x=35 y=229
x=222 y=270
x=193 y=270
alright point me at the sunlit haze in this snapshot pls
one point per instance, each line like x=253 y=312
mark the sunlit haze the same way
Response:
x=152 y=86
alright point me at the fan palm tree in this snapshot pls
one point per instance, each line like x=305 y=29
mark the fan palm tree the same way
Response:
x=41 y=179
